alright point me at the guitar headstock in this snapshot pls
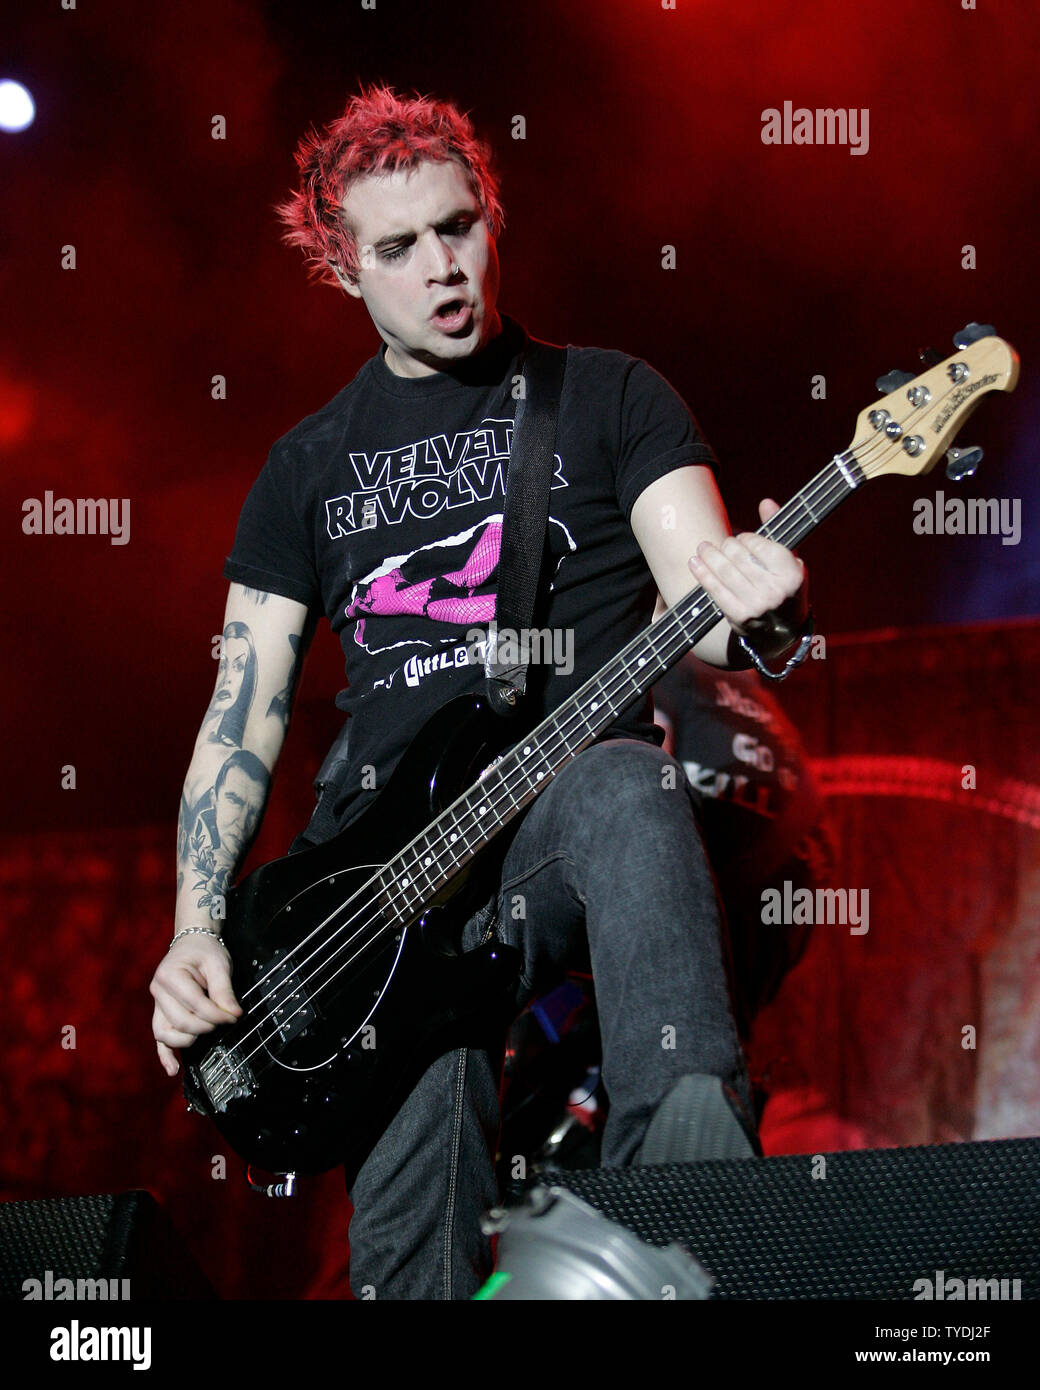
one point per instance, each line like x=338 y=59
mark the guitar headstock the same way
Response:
x=908 y=429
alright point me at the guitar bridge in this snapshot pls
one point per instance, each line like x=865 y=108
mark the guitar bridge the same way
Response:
x=226 y=1077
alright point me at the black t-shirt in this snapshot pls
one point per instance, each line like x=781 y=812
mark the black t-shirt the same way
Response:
x=383 y=511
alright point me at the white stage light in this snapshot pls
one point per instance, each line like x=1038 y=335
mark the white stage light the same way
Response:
x=17 y=107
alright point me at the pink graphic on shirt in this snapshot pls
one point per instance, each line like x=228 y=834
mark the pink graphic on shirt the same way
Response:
x=479 y=609
x=391 y=595
x=483 y=558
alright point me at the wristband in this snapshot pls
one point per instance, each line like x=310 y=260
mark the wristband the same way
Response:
x=198 y=931
x=802 y=651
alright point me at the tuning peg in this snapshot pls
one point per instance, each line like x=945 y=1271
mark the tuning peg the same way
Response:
x=962 y=463
x=893 y=381
x=972 y=332
x=929 y=357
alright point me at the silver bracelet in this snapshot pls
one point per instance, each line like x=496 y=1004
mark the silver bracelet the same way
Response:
x=198 y=931
x=796 y=660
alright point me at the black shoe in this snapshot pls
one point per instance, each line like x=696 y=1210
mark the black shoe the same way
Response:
x=698 y=1120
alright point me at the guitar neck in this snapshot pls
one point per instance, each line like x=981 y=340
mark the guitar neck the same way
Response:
x=434 y=857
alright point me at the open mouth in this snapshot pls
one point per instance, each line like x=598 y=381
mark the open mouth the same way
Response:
x=453 y=315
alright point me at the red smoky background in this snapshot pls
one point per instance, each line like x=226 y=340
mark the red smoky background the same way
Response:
x=641 y=130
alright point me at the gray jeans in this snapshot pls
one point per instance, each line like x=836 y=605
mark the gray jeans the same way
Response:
x=607 y=866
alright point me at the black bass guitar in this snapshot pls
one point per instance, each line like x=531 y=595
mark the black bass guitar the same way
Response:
x=343 y=956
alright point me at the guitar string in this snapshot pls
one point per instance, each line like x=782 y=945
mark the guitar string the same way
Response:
x=771 y=528
x=664 y=629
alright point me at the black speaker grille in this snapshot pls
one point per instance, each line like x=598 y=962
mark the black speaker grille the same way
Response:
x=73 y=1237
x=878 y=1221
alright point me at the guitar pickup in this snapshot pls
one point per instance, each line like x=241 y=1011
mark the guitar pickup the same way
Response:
x=287 y=1005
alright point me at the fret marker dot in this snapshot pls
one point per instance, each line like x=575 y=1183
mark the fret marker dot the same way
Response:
x=642 y=661
x=540 y=776
x=428 y=860
x=405 y=882
x=483 y=810
x=594 y=705
x=454 y=837
x=527 y=749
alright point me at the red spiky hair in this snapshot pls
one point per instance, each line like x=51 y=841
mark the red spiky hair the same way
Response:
x=378 y=133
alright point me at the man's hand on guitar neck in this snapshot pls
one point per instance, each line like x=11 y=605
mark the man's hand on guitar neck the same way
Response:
x=758 y=584
x=192 y=993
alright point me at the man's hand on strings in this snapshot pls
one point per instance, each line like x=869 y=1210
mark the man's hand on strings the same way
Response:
x=760 y=585
x=192 y=992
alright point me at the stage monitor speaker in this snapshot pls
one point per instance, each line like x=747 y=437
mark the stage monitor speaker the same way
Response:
x=910 y=1223
x=110 y=1237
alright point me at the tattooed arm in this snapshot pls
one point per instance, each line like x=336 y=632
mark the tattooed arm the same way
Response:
x=263 y=642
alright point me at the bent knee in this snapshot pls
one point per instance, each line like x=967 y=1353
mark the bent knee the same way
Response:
x=631 y=771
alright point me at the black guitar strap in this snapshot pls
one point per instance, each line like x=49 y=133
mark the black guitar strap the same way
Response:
x=525 y=519
x=524 y=531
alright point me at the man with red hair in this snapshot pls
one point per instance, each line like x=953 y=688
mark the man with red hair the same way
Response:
x=383 y=512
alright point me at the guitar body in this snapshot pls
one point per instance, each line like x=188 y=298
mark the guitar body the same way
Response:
x=311 y=1074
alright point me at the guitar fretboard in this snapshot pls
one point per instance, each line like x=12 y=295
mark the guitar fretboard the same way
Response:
x=425 y=865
